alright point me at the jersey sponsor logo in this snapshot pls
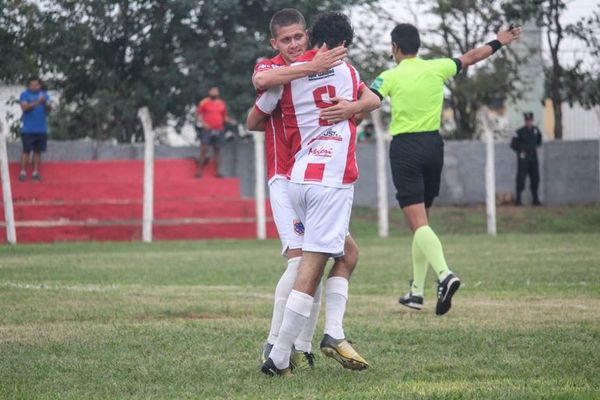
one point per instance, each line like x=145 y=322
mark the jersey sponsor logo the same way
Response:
x=298 y=227
x=329 y=134
x=321 y=75
x=321 y=152
x=377 y=83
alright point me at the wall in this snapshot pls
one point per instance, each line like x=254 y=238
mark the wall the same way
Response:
x=570 y=171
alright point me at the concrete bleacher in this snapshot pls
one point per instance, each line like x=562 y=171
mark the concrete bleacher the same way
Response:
x=102 y=200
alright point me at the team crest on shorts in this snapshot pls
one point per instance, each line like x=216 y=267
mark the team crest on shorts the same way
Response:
x=298 y=227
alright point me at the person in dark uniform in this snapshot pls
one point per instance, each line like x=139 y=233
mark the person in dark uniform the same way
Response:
x=525 y=142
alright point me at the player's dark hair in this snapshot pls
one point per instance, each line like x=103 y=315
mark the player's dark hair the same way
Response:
x=285 y=17
x=33 y=78
x=406 y=38
x=332 y=28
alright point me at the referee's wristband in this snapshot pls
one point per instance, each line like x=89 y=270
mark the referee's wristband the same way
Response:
x=495 y=45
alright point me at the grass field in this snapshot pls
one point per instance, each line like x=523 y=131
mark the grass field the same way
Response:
x=179 y=320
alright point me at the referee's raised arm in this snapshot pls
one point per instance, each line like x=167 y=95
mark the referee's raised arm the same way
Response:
x=503 y=38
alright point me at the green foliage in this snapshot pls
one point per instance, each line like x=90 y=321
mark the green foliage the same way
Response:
x=109 y=58
x=19 y=38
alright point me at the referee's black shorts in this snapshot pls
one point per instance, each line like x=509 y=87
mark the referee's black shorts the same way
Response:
x=416 y=160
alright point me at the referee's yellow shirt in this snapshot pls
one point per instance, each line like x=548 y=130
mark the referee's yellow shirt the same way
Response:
x=416 y=91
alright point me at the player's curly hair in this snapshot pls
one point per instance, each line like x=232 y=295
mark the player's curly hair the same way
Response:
x=332 y=28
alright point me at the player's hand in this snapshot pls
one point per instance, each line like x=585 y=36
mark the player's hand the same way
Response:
x=326 y=59
x=41 y=99
x=508 y=36
x=340 y=111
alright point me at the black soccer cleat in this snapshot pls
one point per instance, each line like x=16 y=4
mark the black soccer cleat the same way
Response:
x=411 y=301
x=446 y=290
x=269 y=368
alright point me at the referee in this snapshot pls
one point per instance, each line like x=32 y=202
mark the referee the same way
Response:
x=416 y=91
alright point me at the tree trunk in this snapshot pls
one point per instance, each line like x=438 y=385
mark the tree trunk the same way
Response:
x=555 y=95
x=557 y=109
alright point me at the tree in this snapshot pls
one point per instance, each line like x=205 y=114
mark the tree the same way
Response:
x=109 y=58
x=562 y=83
x=464 y=25
x=18 y=40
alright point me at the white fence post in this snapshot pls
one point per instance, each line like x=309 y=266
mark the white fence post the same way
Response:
x=382 y=193
x=9 y=216
x=259 y=184
x=148 y=215
x=490 y=173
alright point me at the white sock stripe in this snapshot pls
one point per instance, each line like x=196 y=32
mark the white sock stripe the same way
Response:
x=295 y=260
x=300 y=303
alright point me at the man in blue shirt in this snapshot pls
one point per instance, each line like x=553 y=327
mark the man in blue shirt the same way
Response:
x=35 y=104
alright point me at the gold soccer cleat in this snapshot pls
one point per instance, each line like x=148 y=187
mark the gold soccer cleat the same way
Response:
x=343 y=352
x=301 y=360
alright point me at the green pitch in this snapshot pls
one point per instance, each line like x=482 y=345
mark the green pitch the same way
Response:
x=178 y=320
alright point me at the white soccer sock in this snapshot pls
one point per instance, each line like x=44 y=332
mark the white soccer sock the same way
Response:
x=336 y=297
x=304 y=341
x=282 y=292
x=297 y=311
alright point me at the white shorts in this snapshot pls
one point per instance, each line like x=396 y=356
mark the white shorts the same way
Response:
x=289 y=227
x=325 y=212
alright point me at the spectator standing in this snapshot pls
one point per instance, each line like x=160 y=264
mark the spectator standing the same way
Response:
x=35 y=104
x=525 y=142
x=211 y=115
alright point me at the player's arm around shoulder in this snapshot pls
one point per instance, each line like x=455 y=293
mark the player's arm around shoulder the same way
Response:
x=266 y=76
x=344 y=109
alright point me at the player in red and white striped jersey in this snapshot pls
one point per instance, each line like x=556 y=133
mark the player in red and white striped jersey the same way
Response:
x=290 y=39
x=322 y=174
x=323 y=153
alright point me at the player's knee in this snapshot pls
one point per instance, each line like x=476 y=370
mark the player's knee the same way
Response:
x=352 y=257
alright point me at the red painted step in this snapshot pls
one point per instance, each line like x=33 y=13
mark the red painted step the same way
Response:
x=132 y=209
x=163 y=230
x=111 y=170
x=98 y=190
x=102 y=200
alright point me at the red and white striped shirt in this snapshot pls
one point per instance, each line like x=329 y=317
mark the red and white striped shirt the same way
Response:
x=276 y=145
x=322 y=153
